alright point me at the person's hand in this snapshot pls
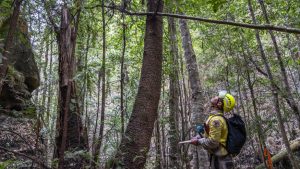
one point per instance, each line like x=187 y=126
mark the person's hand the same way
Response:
x=197 y=141
x=194 y=141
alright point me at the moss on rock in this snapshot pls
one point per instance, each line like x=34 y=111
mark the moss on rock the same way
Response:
x=29 y=111
x=22 y=74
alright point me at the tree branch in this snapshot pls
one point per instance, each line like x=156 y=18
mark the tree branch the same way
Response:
x=257 y=67
x=20 y=136
x=231 y=23
x=55 y=27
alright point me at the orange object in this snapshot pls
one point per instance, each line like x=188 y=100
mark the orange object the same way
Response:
x=267 y=156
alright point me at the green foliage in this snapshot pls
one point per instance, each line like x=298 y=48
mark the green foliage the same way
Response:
x=216 y=4
x=30 y=112
x=5 y=10
x=54 y=163
x=6 y=164
x=14 y=76
x=112 y=161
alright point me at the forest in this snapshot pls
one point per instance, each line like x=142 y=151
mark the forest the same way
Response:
x=112 y=84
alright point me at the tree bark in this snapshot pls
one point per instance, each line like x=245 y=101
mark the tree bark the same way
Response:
x=163 y=144
x=85 y=85
x=94 y=144
x=48 y=104
x=184 y=113
x=174 y=153
x=84 y=93
x=136 y=141
x=69 y=123
x=46 y=83
x=158 y=159
x=122 y=82
x=196 y=95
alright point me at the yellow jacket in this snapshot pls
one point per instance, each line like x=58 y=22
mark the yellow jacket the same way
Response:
x=216 y=133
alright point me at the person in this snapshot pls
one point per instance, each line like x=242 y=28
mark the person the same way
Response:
x=216 y=132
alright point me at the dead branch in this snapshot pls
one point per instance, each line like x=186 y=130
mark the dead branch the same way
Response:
x=37 y=161
x=231 y=23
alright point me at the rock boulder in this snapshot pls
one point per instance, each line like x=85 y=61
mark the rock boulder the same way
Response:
x=22 y=75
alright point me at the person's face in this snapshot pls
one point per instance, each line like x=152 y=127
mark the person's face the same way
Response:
x=216 y=102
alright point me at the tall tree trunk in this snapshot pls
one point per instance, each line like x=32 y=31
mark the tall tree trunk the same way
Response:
x=9 y=41
x=122 y=73
x=135 y=144
x=287 y=88
x=94 y=144
x=164 y=158
x=196 y=96
x=174 y=97
x=100 y=137
x=258 y=126
x=184 y=112
x=69 y=123
x=49 y=101
x=158 y=159
x=274 y=90
x=241 y=100
x=85 y=93
x=39 y=60
x=46 y=83
x=162 y=129
x=41 y=120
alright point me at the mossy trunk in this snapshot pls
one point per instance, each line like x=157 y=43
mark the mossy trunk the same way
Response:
x=174 y=154
x=199 y=155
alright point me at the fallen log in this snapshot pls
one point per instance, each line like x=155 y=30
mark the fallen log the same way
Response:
x=295 y=145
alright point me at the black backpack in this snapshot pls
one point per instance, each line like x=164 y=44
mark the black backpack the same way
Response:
x=236 y=134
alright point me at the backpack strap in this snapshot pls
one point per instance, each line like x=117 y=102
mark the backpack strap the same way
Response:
x=223 y=118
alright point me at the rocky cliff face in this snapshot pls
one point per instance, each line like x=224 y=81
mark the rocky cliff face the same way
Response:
x=22 y=77
x=19 y=134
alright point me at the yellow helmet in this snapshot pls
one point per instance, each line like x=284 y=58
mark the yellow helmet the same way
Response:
x=228 y=101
